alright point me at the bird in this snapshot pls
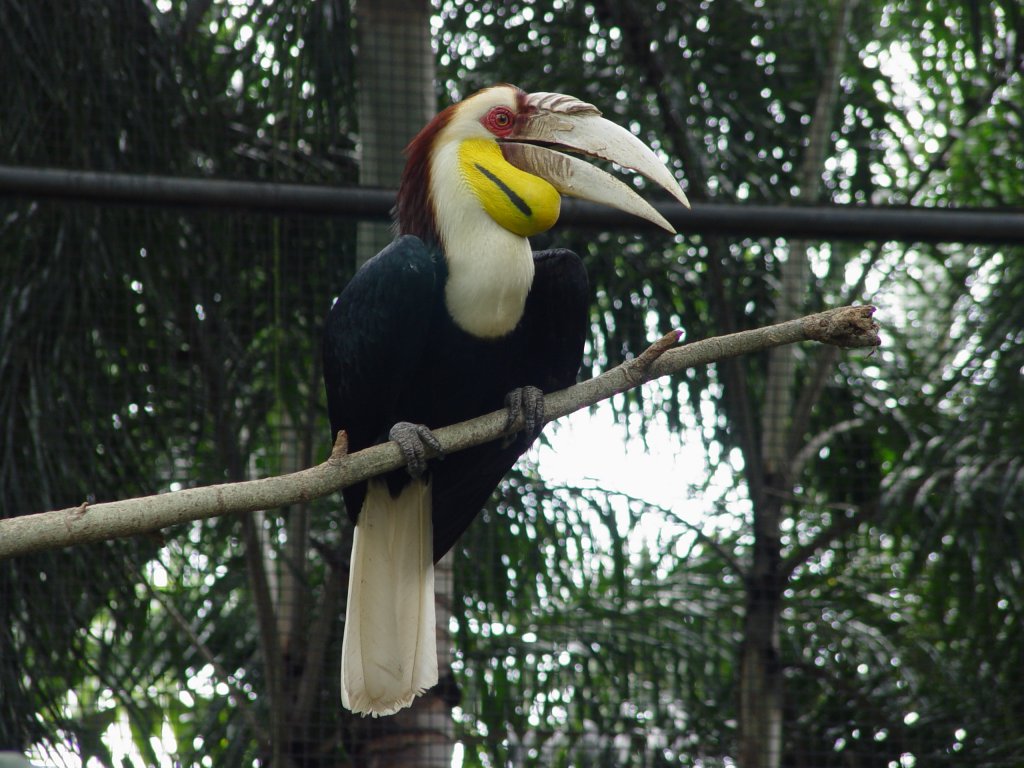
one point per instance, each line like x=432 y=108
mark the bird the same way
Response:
x=455 y=318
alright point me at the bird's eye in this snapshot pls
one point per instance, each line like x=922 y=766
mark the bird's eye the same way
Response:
x=499 y=121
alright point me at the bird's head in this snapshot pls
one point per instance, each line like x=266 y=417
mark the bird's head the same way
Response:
x=498 y=152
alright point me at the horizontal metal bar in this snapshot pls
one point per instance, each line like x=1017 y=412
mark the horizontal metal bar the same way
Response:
x=862 y=223
x=834 y=222
x=142 y=189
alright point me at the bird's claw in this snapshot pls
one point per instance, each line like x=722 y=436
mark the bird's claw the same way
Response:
x=414 y=440
x=527 y=402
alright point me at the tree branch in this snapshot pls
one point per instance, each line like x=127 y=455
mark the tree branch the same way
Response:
x=846 y=327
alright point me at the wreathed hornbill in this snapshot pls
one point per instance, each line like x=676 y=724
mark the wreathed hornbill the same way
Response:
x=458 y=317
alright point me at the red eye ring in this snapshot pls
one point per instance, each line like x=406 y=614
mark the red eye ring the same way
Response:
x=499 y=121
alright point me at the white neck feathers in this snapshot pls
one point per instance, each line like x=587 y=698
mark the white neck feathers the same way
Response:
x=490 y=270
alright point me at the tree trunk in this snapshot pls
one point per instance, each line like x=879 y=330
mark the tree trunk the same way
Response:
x=760 y=692
x=761 y=696
x=396 y=99
x=396 y=96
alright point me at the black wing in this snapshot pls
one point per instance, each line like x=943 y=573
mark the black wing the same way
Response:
x=556 y=320
x=545 y=351
x=375 y=336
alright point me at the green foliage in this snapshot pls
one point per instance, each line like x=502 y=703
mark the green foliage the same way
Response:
x=145 y=351
x=616 y=660
x=928 y=108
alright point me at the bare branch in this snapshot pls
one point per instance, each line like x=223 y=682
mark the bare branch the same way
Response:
x=845 y=327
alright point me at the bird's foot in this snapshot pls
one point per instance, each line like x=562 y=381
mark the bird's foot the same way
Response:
x=527 y=402
x=414 y=440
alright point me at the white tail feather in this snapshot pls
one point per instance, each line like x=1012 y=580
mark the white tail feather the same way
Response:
x=389 y=653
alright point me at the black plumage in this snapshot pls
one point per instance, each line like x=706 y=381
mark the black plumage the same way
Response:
x=392 y=353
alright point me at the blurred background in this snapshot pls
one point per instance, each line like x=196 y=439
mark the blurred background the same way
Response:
x=825 y=566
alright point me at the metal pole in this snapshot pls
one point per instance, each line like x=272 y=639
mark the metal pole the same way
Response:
x=835 y=222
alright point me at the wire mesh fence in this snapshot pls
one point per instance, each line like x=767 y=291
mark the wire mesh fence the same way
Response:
x=799 y=558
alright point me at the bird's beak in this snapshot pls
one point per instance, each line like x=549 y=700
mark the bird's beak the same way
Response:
x=553 y=121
